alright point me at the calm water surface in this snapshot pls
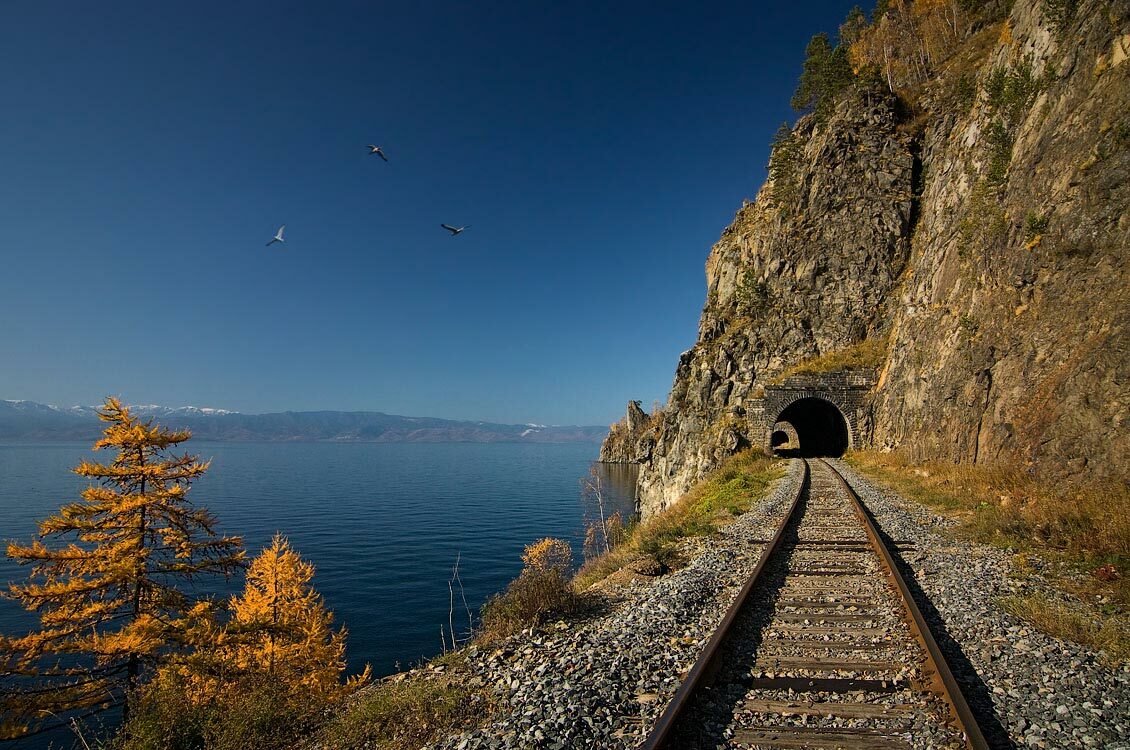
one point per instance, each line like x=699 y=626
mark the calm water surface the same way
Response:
x=382 y=523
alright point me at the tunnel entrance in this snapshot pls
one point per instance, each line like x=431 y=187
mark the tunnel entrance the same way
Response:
x=778 y=439
x=821 y=428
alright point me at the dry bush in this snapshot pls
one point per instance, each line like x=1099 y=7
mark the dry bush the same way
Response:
x=541 y=592
x=602 y=538
x=548 y=554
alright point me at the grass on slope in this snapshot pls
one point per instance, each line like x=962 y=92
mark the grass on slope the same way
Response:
x=729 y=490
x=409 y=710
x=1083 y=531
x=866 y=355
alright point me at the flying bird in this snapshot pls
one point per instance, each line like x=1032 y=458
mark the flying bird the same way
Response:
x=454 y=230
x=278 y=236
x=377 y=150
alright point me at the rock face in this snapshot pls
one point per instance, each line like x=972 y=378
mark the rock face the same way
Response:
x=788 y=282
x=984 y=235
x=1011 y=330
x=631 y=439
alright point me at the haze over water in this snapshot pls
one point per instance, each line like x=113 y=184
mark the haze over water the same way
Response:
x=382 y=523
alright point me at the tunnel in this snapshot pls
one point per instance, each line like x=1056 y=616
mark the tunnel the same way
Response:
x=820 y=426
x=778 y=439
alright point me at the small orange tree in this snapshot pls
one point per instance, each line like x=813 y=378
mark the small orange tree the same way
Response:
x=542 y=589
x=258 y=679
x=281 y=627
x=111 y=603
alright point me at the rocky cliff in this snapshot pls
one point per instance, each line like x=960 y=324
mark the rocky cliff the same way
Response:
x=1010 y=333
x=630 y=440
x=971 y=229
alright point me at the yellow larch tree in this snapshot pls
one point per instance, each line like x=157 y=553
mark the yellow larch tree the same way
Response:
x=113 y=601
x=280 y=626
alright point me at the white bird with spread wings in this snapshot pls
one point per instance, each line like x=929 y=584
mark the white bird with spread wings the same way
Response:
x=278 y=236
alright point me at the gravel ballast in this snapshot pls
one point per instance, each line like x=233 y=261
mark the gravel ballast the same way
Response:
x=603 y=682
x=1028 y=688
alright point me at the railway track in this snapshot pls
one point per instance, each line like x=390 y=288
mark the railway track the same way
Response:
x=822 y=648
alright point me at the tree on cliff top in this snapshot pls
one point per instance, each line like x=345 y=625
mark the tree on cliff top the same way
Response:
x=826 y=73
x=110 y=603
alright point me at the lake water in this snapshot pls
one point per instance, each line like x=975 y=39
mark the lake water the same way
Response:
x=382 y=523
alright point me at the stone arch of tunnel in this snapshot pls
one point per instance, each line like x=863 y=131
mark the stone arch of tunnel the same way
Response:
x=820 y=428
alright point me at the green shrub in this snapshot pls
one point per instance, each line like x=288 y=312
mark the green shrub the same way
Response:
x=404 y=715
x=985 y=225
x=784 y=158
x=661 y=550
x=1010 y=92
x=1001 y=140
x=261 y=714
x=753 y=296
x=1060 y=13
x=827 y=71
x=965 y=91
x=1034 y=225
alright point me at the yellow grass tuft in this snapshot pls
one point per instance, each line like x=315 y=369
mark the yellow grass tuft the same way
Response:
x=869 y=354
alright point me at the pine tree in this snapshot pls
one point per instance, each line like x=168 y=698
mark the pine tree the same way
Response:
x=826 y=73
x=280 y=626
x=113 y=601
x=784 y=157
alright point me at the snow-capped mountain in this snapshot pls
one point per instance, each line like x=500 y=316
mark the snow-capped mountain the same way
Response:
x=154 y=410
x=142 y=410
x=28 y=421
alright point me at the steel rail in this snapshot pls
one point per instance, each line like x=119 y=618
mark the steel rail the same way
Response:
x=705 y=667
x=941 y=680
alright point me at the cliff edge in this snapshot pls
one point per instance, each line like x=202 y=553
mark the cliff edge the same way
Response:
x=962 y=222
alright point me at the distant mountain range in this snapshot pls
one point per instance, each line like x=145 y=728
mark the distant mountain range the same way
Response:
x=28 y=421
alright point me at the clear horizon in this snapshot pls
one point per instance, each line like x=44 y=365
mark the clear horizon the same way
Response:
x=151 y=152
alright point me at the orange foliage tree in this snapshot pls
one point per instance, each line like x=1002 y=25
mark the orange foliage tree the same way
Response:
x=907 y=40
x=113 y=601
x=280 y=627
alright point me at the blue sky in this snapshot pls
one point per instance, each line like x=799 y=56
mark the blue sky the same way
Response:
x=148 y=151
